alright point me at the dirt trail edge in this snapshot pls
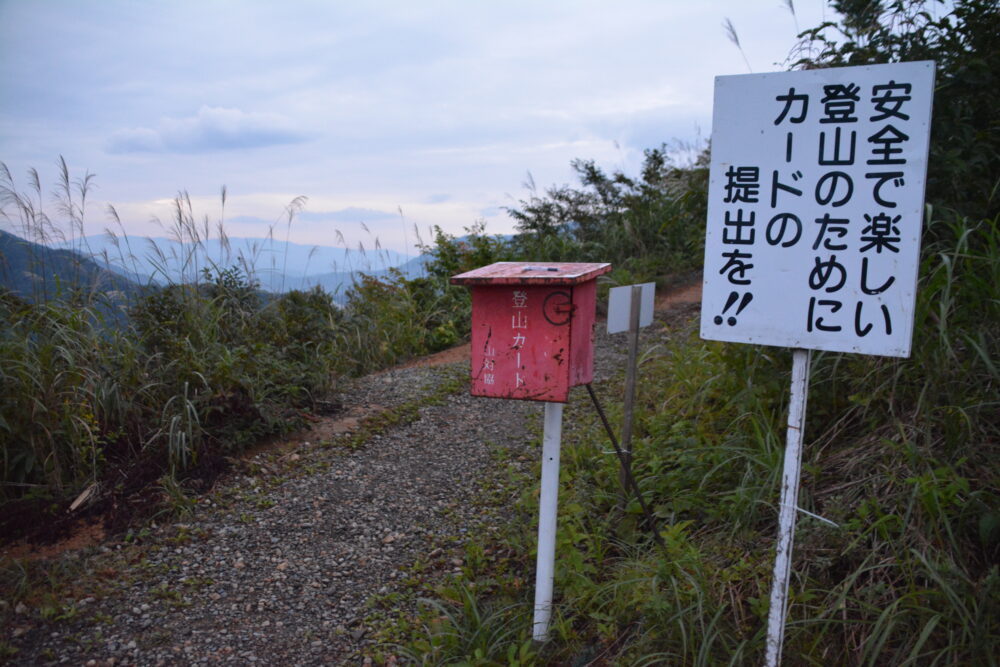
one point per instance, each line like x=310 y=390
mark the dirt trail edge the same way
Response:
x=275 y=566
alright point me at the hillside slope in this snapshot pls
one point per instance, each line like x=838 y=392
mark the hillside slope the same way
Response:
x=37 y=273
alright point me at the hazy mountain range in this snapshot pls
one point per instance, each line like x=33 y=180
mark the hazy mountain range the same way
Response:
x=101 y=262
x=36 y=272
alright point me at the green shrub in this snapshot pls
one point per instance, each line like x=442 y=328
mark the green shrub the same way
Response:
x=648 y=225
x=49 y=367
x=390 y=320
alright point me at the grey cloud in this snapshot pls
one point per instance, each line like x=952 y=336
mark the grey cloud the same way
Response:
x=212 y=129
x=250 y=220
x=349 y=214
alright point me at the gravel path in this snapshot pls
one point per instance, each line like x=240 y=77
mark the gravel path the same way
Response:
x=276 y=565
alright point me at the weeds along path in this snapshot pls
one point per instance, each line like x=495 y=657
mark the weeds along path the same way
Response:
x=284 y=560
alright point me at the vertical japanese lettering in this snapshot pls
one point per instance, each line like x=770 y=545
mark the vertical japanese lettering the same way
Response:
x=815 y=207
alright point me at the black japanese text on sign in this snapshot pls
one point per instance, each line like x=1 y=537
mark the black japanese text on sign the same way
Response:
x=816 y=206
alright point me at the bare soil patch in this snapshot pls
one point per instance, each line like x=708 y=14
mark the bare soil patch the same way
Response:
x=451 y=355
x=83 y=534
x=679 y=296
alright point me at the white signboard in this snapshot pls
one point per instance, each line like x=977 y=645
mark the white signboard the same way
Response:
x=815 y=207
x=620 y=307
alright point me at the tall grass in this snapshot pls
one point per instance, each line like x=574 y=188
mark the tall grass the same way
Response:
x=897 y=559
x=115 y=390
x=896 y=562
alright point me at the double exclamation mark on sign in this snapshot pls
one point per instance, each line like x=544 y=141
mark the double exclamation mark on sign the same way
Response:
x=733 y=298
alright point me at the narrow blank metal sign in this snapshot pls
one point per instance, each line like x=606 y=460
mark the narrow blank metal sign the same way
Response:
x=620 y=307
x=816 y=199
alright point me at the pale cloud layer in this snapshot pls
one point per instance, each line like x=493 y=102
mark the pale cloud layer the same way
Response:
x=392 y=114
x=211 y=129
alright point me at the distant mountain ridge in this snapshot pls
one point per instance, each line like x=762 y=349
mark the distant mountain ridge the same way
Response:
x=278 y=265
x=36 y=272
x=109 y=263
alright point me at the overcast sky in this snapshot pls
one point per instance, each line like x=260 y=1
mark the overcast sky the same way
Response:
x=435 y=109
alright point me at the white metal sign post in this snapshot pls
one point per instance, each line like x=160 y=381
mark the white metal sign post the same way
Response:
x=547 y=510
x=812 y=242
x=789 y=504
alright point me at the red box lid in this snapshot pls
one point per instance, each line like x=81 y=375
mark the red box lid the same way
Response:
x=532 y=273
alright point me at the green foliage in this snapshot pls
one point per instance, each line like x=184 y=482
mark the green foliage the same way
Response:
x=450 y=256
x=392 y=319
x=202 y=365
x=964 y=161
x=198 y=369
x=49 y=373
x=900 y=453
x=459 y=630
x=91 y=398
x=239 y=365
x=651 y=225
x=387 y=321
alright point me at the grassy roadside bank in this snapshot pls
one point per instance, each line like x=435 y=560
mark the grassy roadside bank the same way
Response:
x=80 y=590
x=900 y=568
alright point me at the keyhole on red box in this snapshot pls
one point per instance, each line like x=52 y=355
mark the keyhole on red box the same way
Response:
x=558 y=308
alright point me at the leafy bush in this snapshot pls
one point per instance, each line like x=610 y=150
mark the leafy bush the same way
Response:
x=650 y=225
x=90 y=397
x=387 y=321
x=964 y=161
x=49 y=372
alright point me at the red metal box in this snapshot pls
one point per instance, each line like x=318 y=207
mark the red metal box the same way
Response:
x=532 y=328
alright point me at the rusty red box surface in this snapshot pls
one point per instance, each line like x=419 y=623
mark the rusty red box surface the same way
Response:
x=532 y=328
